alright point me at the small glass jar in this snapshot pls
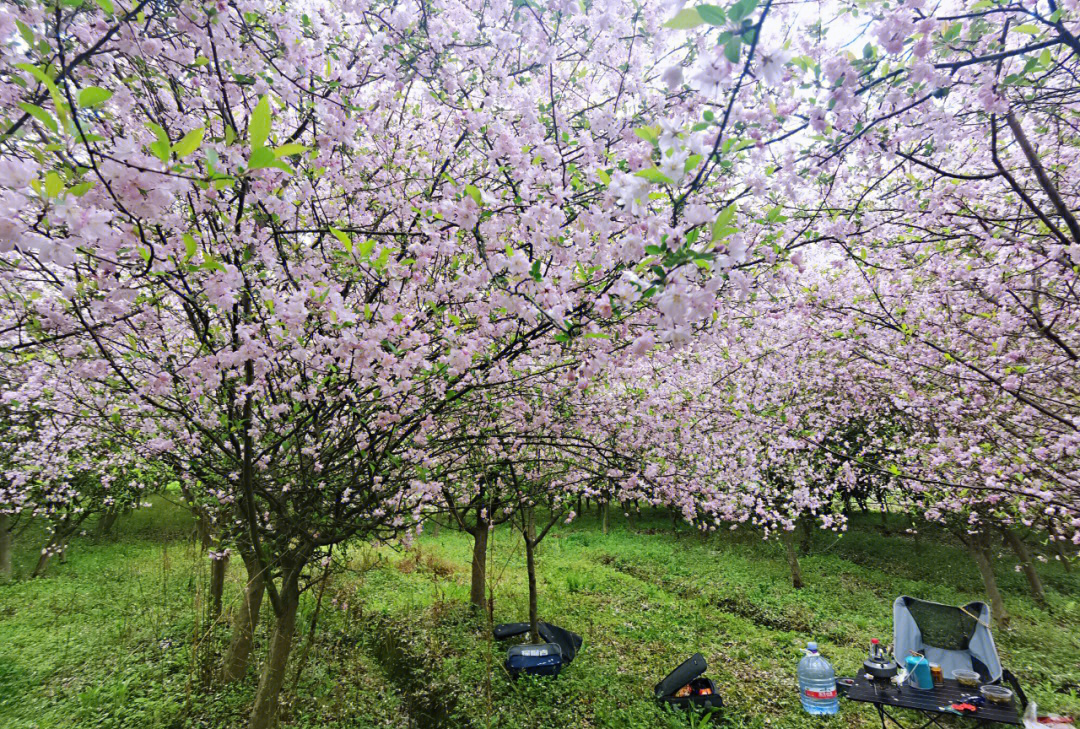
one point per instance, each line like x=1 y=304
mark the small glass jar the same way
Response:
x=937 y=674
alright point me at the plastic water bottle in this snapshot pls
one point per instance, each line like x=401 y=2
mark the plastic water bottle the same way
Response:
x=817 y=683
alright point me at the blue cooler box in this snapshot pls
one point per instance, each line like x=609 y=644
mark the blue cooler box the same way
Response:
x=534 y=659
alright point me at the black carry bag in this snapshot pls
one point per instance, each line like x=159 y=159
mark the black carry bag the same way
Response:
x=685 y=686
x=568 y=641
x=534 y=659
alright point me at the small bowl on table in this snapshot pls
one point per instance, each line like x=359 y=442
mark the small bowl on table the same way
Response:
x=964 y=677
x=997 y=694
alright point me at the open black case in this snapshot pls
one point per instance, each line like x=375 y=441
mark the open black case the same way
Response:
x=542 y=659
x=702 y=690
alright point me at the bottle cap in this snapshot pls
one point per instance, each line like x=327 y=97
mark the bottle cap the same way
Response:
x=812 y=647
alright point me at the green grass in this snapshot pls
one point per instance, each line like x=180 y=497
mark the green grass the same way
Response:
x=114 y=637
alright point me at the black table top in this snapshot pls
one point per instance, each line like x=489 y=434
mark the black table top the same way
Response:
x=910 y=697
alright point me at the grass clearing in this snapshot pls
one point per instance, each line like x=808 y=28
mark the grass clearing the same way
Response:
x=112 y=638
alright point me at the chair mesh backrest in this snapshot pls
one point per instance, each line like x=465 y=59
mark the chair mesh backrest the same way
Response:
x=952 y=637
x=943 y=626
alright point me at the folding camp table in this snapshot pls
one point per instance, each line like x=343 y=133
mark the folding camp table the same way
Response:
x=929 y=703
x=953 y=637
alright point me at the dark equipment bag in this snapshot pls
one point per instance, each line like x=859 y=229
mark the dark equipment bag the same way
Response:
x=534 y=659
x=689 y=673
x=569 y=642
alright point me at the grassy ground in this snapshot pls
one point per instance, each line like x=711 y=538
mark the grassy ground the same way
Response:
x=113 y=638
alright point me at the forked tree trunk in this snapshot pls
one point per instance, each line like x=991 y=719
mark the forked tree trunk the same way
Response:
x=792 y=558
x=604 y=508
x=1024 y=555
x=105 y=523
x=234 y=666
x=46 y=555
x=1059 y=548
x=5 y=547
x=980 y=552
x=218 y=568
x=1063 y=556
x=478 y=585
x=530 y=566
x=264 y=712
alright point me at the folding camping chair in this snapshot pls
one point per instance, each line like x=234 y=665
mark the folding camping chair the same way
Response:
x=951 y=636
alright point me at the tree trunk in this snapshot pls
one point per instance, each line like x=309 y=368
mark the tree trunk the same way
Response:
x=792 y=558
x=603 y=516
x=202 y=529
x=530 y=566
x=105 y=523
x=980 y=552
x=1024 y=554
x=5 y=547
x=1059 y=547
x=264 y=712
x=235 y=663
x=807 y=540
x=46 y=555
x=478 y=586
x=218 y=568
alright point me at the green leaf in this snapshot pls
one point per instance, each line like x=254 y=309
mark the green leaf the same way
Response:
x=740 y=10
x=723 y=220
x=82 y=188
x=692 y=161
x=25 y=31
x=161 y=147
x=712 y=14
x=210 y=263
x=201 y=61
x=365 y=248
x=40 y=114
x=654 y=175
x=160 y=133
x=189 y=143
x=190 y=246
x=474 y=192
x=93 y=96
x=344 y=238
x=106 y=5
x=732 y=48
x=47 y=82
x=685 y=19
x=53 y=184
x=259 y=124
x=260 y=157
x=380 y=262
x=287 y=150
x=649 y=134
x=160 y=150
x=1029 y=28
x=604 y=177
